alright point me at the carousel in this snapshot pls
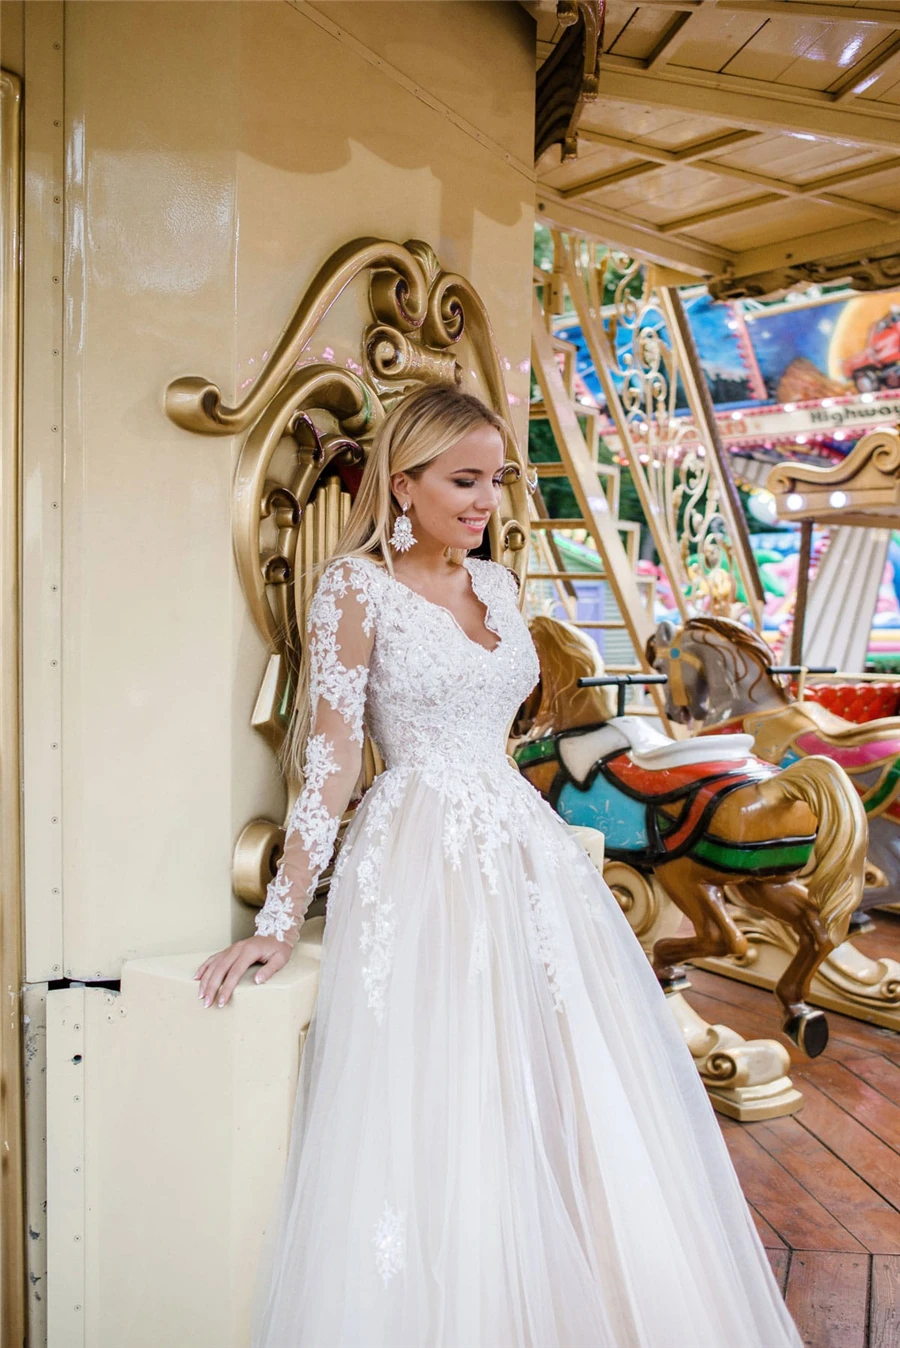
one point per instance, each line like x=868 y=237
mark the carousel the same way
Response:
x=233 y=236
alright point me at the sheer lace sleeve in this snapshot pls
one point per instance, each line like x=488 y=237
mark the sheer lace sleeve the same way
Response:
x=340 y=631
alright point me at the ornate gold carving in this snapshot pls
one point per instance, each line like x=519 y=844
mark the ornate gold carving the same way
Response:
x=308 y=430
x=745 y=1079
x=864 y=488
x=569 y=77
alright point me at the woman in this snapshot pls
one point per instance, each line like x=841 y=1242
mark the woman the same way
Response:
x=500 y=1140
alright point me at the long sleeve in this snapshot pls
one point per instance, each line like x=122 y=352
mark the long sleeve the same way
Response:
x=340 y=631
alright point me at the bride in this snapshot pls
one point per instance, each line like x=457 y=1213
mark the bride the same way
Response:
x=500 y=1139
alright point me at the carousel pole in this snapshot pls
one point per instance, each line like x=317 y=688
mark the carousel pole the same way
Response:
x=806 y=529
x=12 y=1169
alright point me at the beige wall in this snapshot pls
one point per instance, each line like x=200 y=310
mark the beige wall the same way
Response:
x=215 y=154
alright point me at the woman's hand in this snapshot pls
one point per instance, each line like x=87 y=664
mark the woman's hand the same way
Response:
x=221 y=973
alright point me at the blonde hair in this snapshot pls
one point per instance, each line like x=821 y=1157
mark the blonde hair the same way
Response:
x=418 y=430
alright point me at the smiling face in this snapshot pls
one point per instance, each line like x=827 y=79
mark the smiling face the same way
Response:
x=453 y=497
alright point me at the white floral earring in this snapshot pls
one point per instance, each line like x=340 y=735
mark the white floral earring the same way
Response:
x=403 y=537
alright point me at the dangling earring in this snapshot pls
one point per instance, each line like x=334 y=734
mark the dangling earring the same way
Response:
x=403 y=537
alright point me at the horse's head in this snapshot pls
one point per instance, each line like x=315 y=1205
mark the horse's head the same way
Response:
x=670 y=652
x=557 y=703
x=716 y=668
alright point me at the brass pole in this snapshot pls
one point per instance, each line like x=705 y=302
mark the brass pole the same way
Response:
x=12 y=1132
x=806 y=529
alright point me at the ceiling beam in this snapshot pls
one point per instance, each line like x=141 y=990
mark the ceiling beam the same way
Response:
x=813 y=191
x=864 y=74
x=789 y=9
x=685 y=25
x=610 y=179
x=854 y=239
x=719 y=212
x=767 y=108
x=697 y=154
x=635 y=237
x=654 y=159
x=678 y=30
x=713 y=145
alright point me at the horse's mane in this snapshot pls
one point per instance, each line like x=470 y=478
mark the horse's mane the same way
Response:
x=735 y=633
x=566 y=655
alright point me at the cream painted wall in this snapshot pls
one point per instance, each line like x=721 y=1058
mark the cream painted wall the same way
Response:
x=215 y=155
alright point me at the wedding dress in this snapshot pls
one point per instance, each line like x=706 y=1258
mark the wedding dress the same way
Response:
x=500 y=1139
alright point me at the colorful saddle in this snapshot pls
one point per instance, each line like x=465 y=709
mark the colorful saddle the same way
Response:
x=653 y=798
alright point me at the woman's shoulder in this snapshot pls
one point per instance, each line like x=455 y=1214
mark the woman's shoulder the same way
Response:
x=503 y=576
x=363 y=575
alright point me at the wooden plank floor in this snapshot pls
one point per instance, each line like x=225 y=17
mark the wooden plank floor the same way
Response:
x=824 y=1185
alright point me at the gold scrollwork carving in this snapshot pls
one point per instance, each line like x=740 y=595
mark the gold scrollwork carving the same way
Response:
x=307 y=431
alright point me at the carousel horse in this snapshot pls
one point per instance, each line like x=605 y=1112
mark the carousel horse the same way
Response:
x=718 y=680
x=699 y=815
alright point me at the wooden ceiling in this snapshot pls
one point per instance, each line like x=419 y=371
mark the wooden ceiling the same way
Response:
x=752 y=143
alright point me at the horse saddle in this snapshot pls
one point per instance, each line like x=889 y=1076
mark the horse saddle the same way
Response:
x=648 y=748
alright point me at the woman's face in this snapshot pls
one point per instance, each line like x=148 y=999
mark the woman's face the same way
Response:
x=451 y=501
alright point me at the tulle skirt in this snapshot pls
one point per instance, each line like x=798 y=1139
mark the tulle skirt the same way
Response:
x=500 y=1139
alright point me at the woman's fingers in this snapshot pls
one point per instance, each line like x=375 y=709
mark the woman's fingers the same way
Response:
x=220 y=974
x=272 y=963
x=234 y=975
x=203 y=967
x=213 y=975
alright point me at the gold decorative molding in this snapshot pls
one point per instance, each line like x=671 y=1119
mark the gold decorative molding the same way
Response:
x=307 y=430
x=863 y=489
x=12 y=1193
x=569 y=77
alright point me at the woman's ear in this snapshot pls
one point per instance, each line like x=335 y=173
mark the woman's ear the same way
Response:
x=400 y=487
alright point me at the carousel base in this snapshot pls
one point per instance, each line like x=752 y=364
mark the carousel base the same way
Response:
x=848 y=981
x=745 y=1079
x=167 y=1130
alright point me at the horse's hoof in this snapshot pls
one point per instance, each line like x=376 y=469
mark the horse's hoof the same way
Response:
x=674 y=979
x=809 y=1031
x=860 y=923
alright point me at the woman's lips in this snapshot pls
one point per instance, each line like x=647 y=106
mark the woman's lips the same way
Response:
x=477 y=526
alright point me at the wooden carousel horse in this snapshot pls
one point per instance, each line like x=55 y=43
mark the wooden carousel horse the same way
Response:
x=719 y=681
x=699 y=815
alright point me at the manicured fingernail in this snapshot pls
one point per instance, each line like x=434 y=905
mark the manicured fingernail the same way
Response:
x=221 y=1001
x=207 y=1001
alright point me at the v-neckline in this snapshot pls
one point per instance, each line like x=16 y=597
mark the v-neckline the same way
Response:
x=442 y=608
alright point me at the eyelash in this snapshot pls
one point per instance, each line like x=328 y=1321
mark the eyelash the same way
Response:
x=470 y=482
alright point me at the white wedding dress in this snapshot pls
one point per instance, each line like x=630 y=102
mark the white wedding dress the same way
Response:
x=500 y=1139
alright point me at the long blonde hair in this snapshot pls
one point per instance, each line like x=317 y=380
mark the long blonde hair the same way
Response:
x=418 y=430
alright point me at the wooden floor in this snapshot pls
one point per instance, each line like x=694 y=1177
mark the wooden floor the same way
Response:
x=824 y=1185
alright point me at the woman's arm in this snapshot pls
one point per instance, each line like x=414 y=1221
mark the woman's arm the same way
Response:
x=341 y=635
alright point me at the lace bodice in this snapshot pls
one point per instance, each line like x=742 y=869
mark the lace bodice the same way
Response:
x=435 y=702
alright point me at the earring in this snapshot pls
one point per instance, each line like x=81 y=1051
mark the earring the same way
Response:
x=403 y=537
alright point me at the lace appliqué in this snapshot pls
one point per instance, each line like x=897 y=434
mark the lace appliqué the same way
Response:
x=344 y=689
x=389 y=1240
x=378 y=930
x=317 y=827
x=544 y=938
